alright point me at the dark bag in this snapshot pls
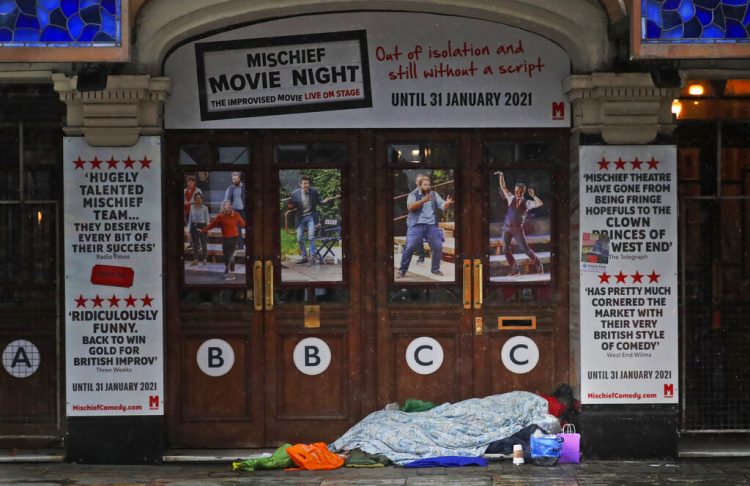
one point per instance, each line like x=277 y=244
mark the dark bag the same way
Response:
x=546 y=449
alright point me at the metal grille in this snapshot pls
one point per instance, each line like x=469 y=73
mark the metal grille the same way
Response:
x=716 y=306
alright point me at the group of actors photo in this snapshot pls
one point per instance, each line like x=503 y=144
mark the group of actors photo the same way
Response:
x=215 y=223
x=424 y=226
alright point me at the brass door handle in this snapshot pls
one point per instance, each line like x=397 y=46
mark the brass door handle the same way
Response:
x=269 y=285
x=478 y=284
x=467 y=284
x=258 y=285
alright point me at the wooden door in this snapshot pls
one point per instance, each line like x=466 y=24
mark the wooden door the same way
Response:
x=277 y=337
x=312 y=327
x=455 y=315
x=215 y=349
x=521 y=327
x=424 y=329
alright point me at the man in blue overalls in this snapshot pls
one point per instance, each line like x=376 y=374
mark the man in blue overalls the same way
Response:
x=518 y=207
x=422 y=223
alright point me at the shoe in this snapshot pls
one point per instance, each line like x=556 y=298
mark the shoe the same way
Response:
x=226 y=271
x=193 y=263
x=540 y=269
x=302 y=262
x=229 y=276
x=321 y=261
x=189 y=246
x=420 y=260
x=438 y=273
x=400 y=274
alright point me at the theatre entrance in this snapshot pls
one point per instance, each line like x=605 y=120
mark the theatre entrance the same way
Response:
x=434 y=271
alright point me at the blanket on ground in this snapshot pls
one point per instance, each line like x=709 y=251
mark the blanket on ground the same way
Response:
x=453 y=429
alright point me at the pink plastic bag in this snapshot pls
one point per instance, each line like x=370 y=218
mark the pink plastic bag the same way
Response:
x=571 y=449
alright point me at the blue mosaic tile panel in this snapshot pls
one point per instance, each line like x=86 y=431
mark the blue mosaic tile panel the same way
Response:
x=695 y=21
x=60 y=23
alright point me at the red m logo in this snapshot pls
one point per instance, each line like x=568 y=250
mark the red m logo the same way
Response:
x=558 y=110
x=153 y=402
x=668 y=389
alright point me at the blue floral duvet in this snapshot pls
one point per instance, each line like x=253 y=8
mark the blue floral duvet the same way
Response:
x=460 y=429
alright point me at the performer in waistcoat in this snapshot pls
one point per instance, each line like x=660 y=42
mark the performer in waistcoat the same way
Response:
x=518 y=208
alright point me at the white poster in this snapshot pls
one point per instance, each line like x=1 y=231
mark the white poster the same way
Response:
x=368 y=70
x=628 y=225
x=113 y=282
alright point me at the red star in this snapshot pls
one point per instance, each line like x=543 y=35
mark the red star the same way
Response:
x=620 y=164
x=147 y=301
x=96 y=163
x=97 y=301
x=112 y=163
x=79 y=163
x=654 y=277
x=80 y=301
x=653 y=163
x=636 y=164
x=130 y=301
x=114 y=301
x=128 y=163
x=620 y=277
x=603 y=164
x=604 y=278
x=637 y=277
x=145 y=163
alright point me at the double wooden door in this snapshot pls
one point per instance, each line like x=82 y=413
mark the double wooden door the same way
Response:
x=297 y=343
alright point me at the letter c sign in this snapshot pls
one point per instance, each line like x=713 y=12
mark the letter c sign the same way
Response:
x=424 y=355
x=520 y=354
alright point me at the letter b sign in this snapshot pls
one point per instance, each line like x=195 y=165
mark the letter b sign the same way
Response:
x=312 y=356
x=215 y=357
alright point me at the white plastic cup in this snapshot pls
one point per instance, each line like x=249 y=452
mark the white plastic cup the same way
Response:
x=517 y=455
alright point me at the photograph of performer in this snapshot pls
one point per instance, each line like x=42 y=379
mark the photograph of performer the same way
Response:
x=422 y=224
x=235 y=194
x=230 y=222
x=518 y=208
x=305 y=200
x=197 y=220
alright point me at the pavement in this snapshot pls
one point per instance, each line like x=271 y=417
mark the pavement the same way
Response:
x=691 y=472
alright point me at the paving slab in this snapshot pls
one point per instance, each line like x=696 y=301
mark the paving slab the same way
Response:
x=592 y=473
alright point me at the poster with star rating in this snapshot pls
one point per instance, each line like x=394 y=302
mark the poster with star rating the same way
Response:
x=628 y=274
x=113 y=279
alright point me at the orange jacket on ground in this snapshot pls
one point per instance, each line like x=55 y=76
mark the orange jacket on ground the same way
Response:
x=228 y=224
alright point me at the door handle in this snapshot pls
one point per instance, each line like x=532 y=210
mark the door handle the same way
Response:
x=467 y=284
x=258 y=285
x=269 y=285
x=478 y=284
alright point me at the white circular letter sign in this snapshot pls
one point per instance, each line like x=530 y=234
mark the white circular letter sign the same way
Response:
x=215 y=357
x=520 y=354
x=21 y=358
x=312 y=356
x=424 y=355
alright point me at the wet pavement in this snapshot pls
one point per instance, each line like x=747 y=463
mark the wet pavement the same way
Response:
x=702 y=472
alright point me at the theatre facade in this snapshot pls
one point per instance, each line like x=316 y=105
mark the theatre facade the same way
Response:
x=235 y=225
